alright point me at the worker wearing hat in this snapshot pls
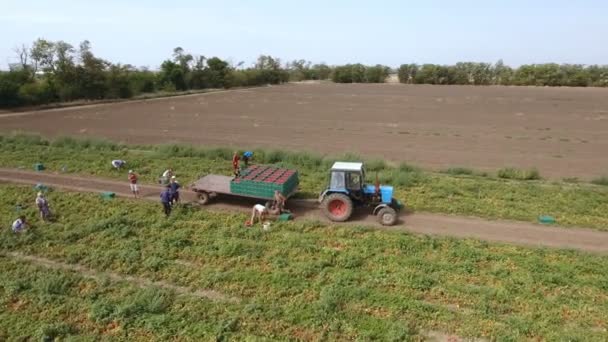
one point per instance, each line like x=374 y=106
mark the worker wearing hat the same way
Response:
x=174 y=189
x=43 y=207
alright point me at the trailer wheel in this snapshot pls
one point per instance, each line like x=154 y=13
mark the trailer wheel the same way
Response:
x=387 y=216
x=337 y=207
x=203 y=198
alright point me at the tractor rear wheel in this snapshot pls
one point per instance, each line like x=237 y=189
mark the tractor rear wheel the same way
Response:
x=337 y=207
x=387 y=216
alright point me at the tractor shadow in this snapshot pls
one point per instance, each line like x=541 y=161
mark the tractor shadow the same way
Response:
x=300 y=208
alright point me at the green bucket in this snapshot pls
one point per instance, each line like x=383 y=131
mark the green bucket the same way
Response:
x=107 y=195
x=285 y=217
x=546 y=219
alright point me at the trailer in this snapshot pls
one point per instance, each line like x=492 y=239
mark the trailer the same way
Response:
x=256 y=182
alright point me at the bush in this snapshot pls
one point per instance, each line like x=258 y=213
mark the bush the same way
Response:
x=52 y=331
x=55 y=284
x=458 y=171
x=26 y=139
x=601 y=181
x=36 y=93
x=405 y=167
x=375 y=165
x=512 y=173
x=150 y=300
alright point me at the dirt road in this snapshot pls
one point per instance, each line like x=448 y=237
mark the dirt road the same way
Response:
x=520 y=233
x=561 y=131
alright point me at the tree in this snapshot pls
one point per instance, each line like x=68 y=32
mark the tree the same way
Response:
x=23 y=54
x=502 y=74
x=43 y=54
x=269 y=70
x=91 y=73
x=407 y=73
x=376 y=74
x=172 y=76
x=321 y=71
x=218 y=70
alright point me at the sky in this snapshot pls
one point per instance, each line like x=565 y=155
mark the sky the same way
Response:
x=144 y=33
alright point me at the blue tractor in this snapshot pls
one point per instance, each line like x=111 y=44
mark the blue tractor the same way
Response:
x=347 y=189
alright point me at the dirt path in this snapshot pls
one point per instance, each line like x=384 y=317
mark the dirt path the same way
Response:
x=520 y=233
x=141 y=282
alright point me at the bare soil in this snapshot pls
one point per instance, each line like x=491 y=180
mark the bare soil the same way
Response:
x=519 y=233
x=561 y=131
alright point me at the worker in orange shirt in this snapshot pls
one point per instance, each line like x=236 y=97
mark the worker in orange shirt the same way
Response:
x=235 y=164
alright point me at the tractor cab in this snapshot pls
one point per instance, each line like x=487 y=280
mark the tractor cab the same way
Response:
x=347 y=178
x=347 y=188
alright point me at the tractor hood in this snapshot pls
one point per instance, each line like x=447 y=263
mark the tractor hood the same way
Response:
x=386 y=192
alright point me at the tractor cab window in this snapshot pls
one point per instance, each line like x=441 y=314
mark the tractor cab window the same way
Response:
x=354 y=181
x=337 y=180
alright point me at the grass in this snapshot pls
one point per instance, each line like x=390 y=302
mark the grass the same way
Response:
x=300 y=280
x=457 y=192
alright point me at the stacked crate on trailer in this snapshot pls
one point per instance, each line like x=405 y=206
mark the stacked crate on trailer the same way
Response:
x=262 y=181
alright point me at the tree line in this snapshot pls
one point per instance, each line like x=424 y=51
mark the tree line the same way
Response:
x=549 y=74
x=56 y=71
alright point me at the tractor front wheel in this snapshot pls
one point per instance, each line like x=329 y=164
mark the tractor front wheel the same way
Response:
x=337 y=207
x=387 y=216
x=203 y=198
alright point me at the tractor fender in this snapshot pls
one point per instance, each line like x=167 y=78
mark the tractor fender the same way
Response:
x=322 y=196
x=329 y=192
x=380 y=206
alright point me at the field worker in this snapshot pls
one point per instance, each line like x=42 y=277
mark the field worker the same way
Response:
x=279 y=201
x=235 y=164
x=165 y=199
x=166 y=176
x=43 y=207
x=19 y=225
x=258 y=211
x=174 y=190
x=133 y=183
x=247 y=158
x=118 y=163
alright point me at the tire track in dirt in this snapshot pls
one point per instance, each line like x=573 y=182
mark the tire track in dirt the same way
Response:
x=519 y=233
x=140 y=282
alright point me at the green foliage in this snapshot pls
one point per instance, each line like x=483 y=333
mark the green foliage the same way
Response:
x=59 y=72
x=513 y=173
x=407 y=73
x=55 y=285
x=458 y=171
x=51 y=332
x=300 y=281
x=70 y=74
x=359 y=73
x=601 y=181
x=550 y=74
x=301 y=70
x=475 y=195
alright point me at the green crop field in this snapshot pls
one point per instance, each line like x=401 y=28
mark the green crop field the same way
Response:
x=299 y=280
x=455 y=192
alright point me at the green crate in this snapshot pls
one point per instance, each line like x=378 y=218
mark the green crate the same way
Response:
x=107 y=195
